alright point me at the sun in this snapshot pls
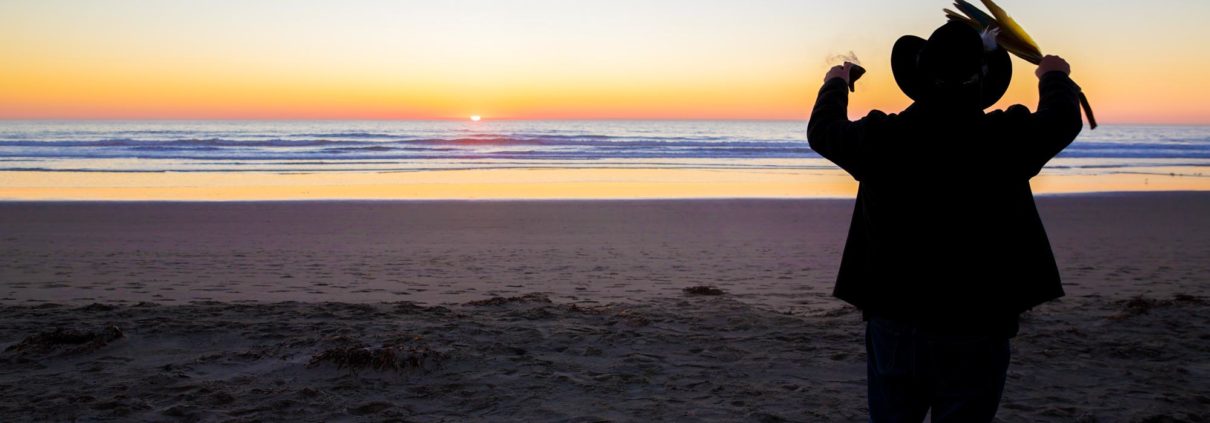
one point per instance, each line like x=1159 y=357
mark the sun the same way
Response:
x=475 y=118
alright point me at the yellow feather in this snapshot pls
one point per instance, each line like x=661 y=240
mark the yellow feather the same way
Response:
x=1018 y=47
x=1009 y=27
x=957 y=17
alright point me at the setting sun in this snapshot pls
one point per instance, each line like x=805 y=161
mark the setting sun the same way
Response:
x=475 y=118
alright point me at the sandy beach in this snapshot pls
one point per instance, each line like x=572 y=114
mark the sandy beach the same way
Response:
x=550 y=311
x=600 y=211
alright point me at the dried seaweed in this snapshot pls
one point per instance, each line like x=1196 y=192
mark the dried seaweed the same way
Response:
x=398 y=355
x=703 y=290
x=533 y=297
x=1139 y=305
x=66 y=341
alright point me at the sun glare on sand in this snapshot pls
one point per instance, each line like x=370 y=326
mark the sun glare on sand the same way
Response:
x=475 y=118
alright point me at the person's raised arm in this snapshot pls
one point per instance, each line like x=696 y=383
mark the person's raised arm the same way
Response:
x=1057 y=121
x=829 y=131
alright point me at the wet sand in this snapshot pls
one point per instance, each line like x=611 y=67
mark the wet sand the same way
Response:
x=810 y=178
x=256 y=311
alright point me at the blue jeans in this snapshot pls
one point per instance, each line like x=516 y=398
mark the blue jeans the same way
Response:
x=912 y=369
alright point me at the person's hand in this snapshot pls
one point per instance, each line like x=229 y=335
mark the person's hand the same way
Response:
x=1052 y=63
x=839 y=71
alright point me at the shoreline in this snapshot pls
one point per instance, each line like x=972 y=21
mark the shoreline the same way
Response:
x=1037 y=195
x=567 y=199
x=851 y=198
x=522 y=184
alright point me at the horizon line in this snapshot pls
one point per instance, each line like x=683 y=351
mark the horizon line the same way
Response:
x=488 y=120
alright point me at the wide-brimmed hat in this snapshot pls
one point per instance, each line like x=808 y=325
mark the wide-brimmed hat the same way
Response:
x=953 y=51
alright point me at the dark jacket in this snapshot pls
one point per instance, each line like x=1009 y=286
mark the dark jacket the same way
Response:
x=945 y=229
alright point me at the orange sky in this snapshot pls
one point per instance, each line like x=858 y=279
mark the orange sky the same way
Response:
x=673 y=59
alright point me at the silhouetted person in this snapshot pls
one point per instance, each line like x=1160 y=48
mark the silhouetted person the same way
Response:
x=945 y=248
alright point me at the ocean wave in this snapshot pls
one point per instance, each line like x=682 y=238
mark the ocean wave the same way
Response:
x=604 y=143
x=185 y=145
x=350 y=135
x=175 y=143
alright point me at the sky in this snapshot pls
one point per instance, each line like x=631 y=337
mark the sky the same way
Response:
x=1138 y=62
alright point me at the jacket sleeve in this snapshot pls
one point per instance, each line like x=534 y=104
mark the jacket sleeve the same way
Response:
x=833 y=136
x=1041 y=135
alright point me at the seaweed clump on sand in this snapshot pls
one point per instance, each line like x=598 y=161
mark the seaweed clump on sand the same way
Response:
x=533 y=297
x=397 y=355
x=1139 y=305
x=66 y=341
x=703 y=290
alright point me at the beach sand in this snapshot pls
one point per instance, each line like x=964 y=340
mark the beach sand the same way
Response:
x=551 y=311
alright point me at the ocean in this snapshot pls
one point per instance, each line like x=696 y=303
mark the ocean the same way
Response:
x=389 y=146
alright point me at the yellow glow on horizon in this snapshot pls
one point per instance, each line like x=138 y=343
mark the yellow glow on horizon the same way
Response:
x=452 y=184
x=513 y=184
x=547 y=59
